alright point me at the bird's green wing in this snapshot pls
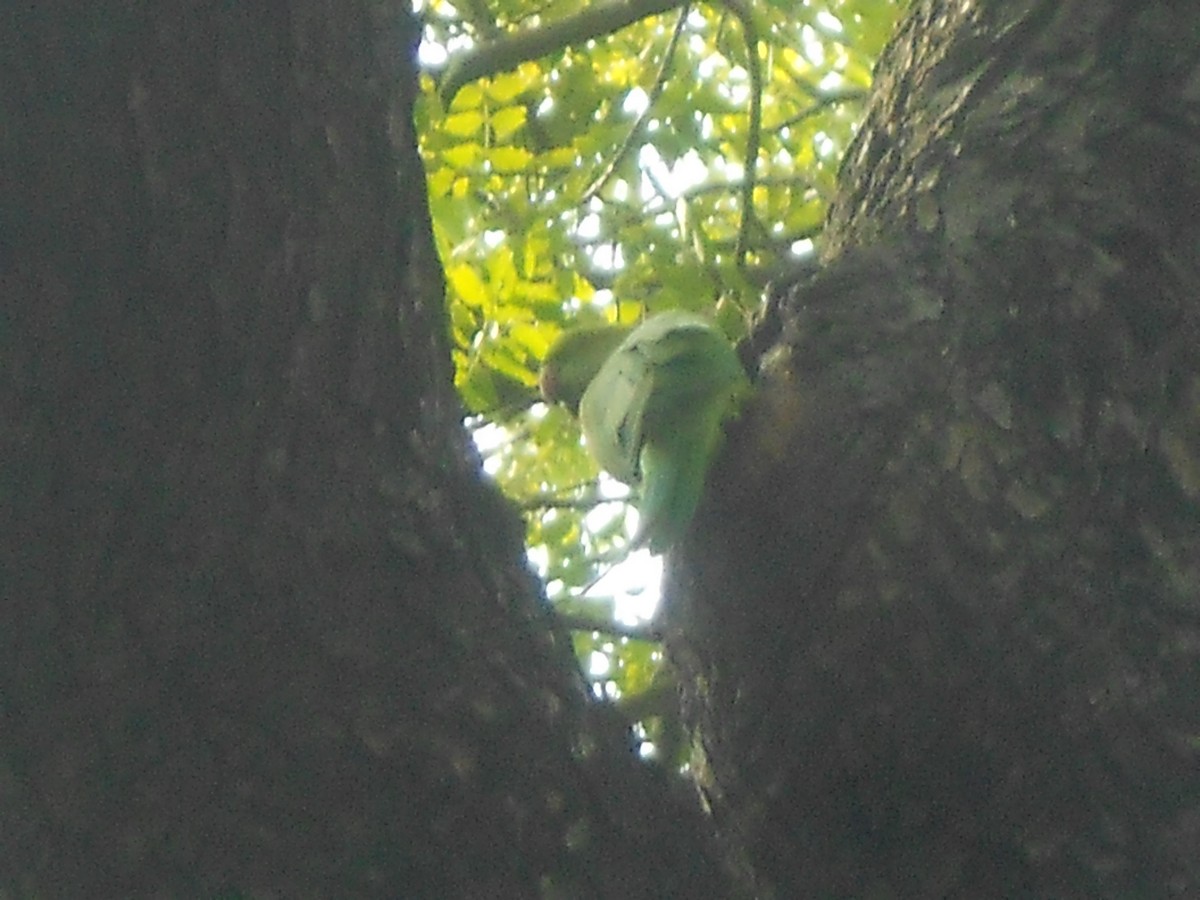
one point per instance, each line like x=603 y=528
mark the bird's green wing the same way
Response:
x=652 y=416
x=611 y=412
x=673 y=473
x=638 y=375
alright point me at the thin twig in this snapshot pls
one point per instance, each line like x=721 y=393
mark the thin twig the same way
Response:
x=754 y=138
x=607 y=626
x=655 y=92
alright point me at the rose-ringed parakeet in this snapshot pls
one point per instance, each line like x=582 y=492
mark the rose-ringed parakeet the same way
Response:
x=651 y=402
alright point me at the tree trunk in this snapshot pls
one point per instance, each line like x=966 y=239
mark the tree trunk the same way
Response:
x=264 y=630
x=939 y=621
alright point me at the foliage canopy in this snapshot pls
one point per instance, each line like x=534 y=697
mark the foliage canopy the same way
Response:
x=591 y=165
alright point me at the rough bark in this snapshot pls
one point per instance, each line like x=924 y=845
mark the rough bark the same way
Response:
x=264 y=631
x=939 y=622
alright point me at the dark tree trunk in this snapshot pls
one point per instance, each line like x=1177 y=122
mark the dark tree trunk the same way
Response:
x=264 y=631
x=939 y=625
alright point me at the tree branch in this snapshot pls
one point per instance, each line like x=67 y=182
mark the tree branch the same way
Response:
x=754 y=136
x=506 y=53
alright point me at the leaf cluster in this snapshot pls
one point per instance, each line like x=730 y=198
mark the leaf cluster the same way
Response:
x=606 y=163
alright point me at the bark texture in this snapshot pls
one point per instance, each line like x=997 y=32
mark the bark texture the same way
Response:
x=264 y=631
x=939 y=622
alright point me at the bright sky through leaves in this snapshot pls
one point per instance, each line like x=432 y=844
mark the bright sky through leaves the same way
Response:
x=607 y=179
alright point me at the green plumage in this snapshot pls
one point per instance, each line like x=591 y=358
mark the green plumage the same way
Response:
x=651 y=405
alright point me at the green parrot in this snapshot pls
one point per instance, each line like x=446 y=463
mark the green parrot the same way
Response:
x=651 y=402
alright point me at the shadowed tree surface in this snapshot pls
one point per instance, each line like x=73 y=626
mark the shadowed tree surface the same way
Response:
x=939 y=624
x=265 y=631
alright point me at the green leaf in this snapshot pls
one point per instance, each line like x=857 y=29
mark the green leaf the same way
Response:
x=547 y=185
